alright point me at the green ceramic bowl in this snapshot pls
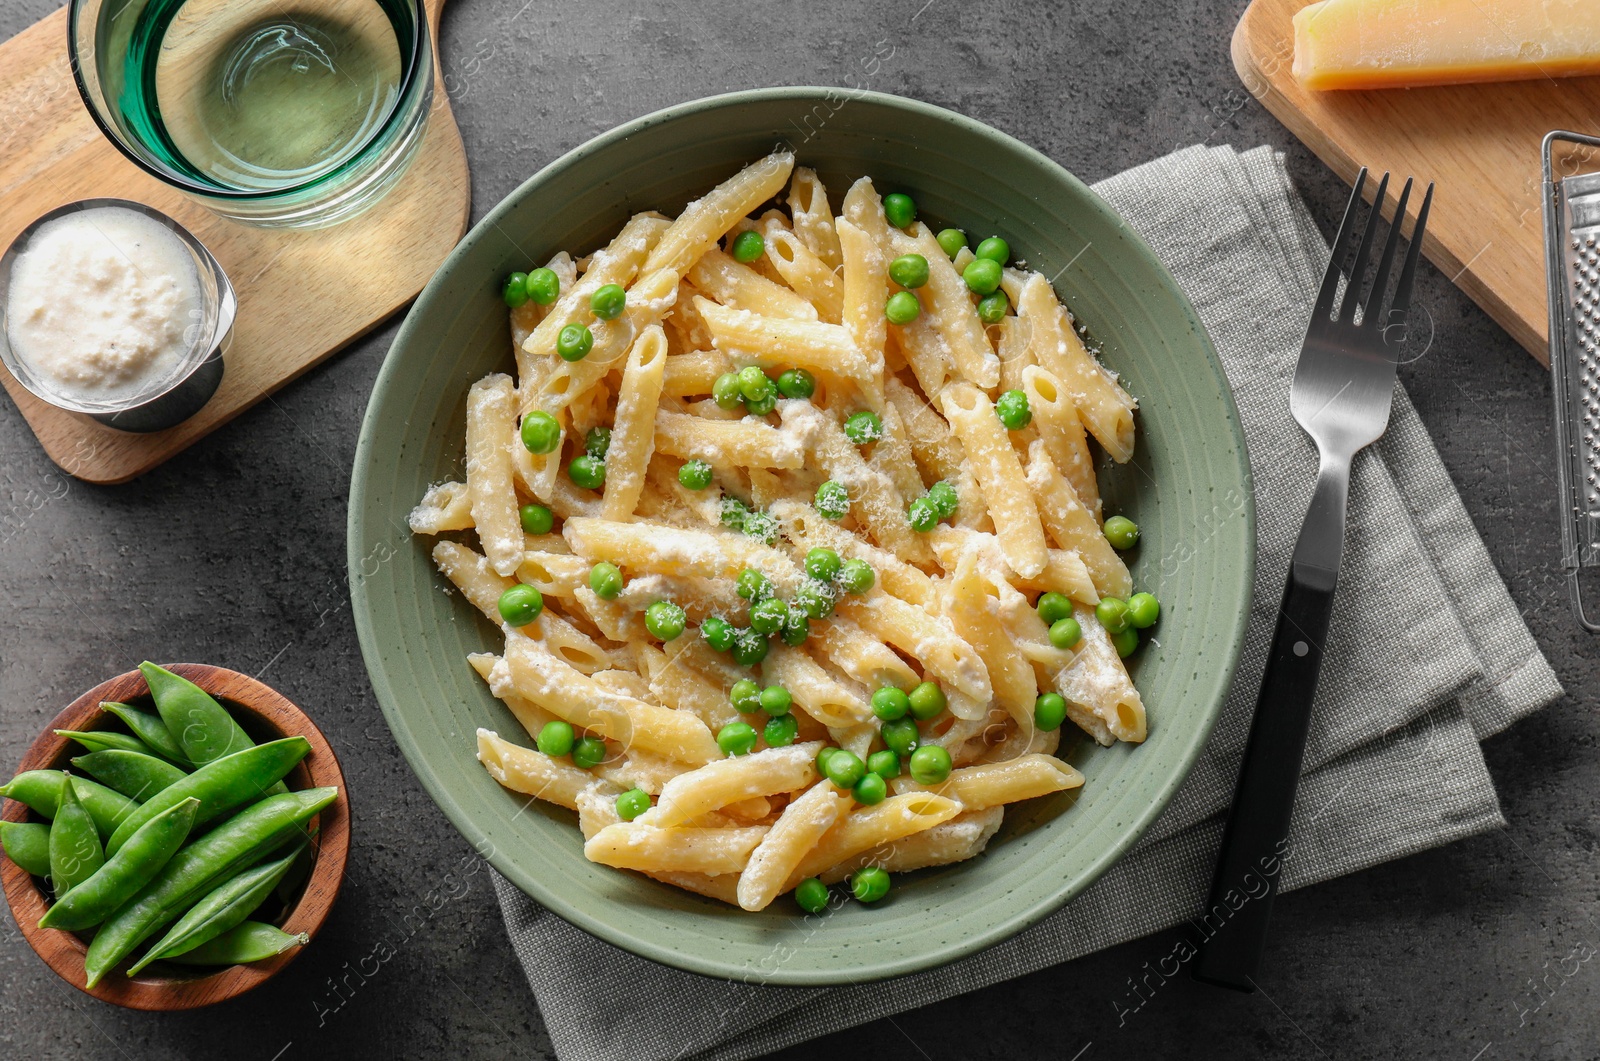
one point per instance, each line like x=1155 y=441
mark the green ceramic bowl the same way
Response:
x=1187 y=489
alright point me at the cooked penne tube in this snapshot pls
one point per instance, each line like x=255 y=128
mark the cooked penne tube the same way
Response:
x=962 y=837
x=807 y=531
x=1073 y=526
x=725 y=781
x=491 y=417
x=928 y=637
x=865 y=828
x=749 y=443
x=1064 y=571
x=994 y=784
x=973 y=601
x=553 y=574
x=866 y=288
x=703 y=221
x=655 y=549
x=738 y=286
x=949 y=309
x=774 y=342
x=693 y=373
x=445 y=507
x=867 y=660
x=1097 y=680
x=633 y=433
x=797 y=830
x=635 y=845
x=802 y=270
x=823 y=697
x=533 y=773
x=999 y=474
x=813 y=220
x=1056 y=420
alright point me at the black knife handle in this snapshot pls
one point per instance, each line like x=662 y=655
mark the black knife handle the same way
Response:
x=1233 y=927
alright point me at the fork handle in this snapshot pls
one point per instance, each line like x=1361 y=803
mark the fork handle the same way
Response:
x=1255 y=839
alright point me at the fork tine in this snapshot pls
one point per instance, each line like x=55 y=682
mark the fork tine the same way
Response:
x=1341 y=246
x=1358 y=267
x=1402 y=291
x=1380 y=282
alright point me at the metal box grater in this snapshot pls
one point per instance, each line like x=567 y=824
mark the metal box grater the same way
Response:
x=1572 y=253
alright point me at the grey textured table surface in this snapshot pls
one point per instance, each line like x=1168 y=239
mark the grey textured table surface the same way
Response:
x=233 y=553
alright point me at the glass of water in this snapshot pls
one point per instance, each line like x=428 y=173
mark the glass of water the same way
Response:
x=288 y=113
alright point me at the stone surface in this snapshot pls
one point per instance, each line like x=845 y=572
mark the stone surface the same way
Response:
x=233 y=553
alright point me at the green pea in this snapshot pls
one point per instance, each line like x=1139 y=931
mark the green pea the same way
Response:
x=1143 y=610
x=796 y=628
x=780 y=732
x=1125 y=642
x=761 y=406
x=1113 y=614
x=574 y=342
x=815 y=598
x=556 y=738
x=870 y=789
x=597 y=443
x=832 y=500
x=1053 y=607
x=812 y=895
x=587 y=471
x=718 y=633
x=1064 y=633
x=909 y=270
x=863 y=427
x=945 y=499
x=608 y=301
x=746 y=696
x=768 y=617
x=889 y=703
x=749 y=647
x=1012 y=408
x=753 y=586
x=536 y=519
x=923 y=515
x=797 y=383
x=992 y=307
x=725 y=391
x=951 y=241
x=823 y=755
x=844 y=768
x=1049 y=711
x=856 y=576
x=1122 y=532
x=776 y=700
x=869 y=883
x=762 y=527
x=736 y=738
x=733 y=512
x=543 y=286
x=901 y=736
x=902 y=308
x=521 y=604
x=899 y=209
x=694 y=474
x=515 y=290
x=589 y=753
x=822 y=564
x=75 y=849
x=753 y=383
x=664 y=620
x=748 y=245
x=541 y=432
x=982 y=275
x=926 y=701
x=995 y=249
x=884 y=763
x=632 y=803
x=606 y=580
x=930 y=765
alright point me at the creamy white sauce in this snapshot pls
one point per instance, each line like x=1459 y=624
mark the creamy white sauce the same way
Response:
x=100 y=304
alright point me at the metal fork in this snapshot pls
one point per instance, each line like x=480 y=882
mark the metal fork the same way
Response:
x=1340 y=396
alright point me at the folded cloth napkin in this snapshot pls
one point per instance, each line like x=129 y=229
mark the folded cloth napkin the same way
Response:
x=1393 y=764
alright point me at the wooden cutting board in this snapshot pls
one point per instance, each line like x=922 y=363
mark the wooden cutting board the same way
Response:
x=1479 y=143
x=302 y=295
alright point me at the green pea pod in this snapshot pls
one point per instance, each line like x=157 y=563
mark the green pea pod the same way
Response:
x=75 y=851
x=130 y=869
x=150 y=729
x=202 y=727
x=134 y=774
x=237 y=844
x=251 y=941
x=226 y=906
x=28 y=845
x=100 y=740
x=220 y=786
x=40 y=790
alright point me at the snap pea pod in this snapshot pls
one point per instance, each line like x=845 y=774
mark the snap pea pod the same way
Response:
x=75 y=851
x=41 y=791
x=222 y=785
x=130 y=869
x=134 y=774
x=226 y=906
x=150 y=729
x=202 y=727
x=105 y=739
x=236 y=844
x=28 y=845
x=251 y=941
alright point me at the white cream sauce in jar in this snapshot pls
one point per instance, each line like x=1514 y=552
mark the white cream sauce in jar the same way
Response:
x=101 y=306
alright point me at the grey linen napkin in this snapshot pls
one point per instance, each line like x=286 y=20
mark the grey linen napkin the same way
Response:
x=1393 y=765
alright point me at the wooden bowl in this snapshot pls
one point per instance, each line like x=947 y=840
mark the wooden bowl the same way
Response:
x=266 y=715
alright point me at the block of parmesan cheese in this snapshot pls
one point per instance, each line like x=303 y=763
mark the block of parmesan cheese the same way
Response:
x=1397 y=43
